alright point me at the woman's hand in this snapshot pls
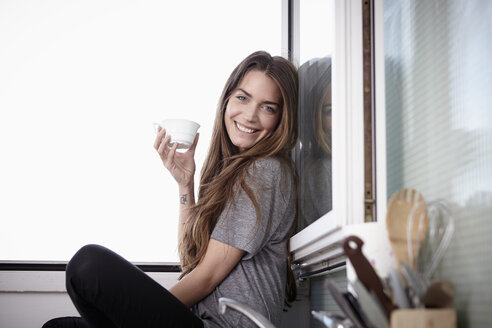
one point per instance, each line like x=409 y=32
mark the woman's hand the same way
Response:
x=180 y=165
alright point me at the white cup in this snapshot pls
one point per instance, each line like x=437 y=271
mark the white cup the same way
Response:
x=181 y=131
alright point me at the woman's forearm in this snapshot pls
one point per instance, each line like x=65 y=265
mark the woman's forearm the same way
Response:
x=217 y=263
x=186 y=200
x=192 y=288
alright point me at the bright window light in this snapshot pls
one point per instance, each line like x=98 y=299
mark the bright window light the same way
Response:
x=316 y=29
x=81 y=83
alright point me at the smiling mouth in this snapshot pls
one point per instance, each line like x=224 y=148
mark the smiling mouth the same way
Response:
x=242 y=128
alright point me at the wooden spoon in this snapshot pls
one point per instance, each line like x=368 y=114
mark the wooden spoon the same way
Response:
x=400 y=206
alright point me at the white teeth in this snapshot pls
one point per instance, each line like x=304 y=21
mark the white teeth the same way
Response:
x=244 y=129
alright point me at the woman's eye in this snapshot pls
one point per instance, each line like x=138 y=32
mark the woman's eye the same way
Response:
x=326 y=109
x=269 y=109
x=242 y=98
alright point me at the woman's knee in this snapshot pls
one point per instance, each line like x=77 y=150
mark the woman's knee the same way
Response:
x=86 y=262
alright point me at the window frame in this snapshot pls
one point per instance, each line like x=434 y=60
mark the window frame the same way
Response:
x=380 y=121
x=316 y=248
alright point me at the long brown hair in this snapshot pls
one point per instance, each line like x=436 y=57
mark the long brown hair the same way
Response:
x=225 y=163
x=315 y=83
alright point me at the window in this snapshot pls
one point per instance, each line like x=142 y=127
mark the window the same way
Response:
x=314 y=151
x=80 y=85
x=313 y=246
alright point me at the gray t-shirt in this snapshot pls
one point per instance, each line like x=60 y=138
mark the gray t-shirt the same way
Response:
x=259 y=279
x=315 y=188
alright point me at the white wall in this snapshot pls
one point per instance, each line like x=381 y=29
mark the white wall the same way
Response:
x=32 y=309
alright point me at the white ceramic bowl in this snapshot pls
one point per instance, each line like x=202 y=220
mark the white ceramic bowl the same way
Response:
x=181 y=131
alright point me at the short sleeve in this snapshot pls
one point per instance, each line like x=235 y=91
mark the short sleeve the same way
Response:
x=238 y=225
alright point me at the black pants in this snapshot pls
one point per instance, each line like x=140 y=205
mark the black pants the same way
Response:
x=109 y=291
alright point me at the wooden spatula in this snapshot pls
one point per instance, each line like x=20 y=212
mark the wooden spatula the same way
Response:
x=400 y=206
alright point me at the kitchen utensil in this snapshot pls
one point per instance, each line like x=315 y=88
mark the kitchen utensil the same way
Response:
x=354 y=303
x=415 y=284
x=343 y=304
x=440 y=294
x=352 y=247
x=417 y=220
x=370 y=306
x=399 y=207
x=399 y=293
x=440 y=231
x=331 y=320
x=255 y=316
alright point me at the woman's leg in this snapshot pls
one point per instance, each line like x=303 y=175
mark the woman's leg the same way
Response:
x=66 y=322
x=109 y=291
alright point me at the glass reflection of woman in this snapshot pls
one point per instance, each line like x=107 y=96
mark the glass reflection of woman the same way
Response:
x=315 y=156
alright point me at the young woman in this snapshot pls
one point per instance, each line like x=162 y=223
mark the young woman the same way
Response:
x=233 y=240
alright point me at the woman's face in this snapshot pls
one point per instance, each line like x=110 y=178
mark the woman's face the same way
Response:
x=253 y=110
x=326 y=110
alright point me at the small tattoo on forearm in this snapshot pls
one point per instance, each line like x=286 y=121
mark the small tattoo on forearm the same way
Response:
x=183 y=199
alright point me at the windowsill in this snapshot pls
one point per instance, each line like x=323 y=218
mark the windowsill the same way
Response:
x=314 y=253
x=325 y=254
x=60 y=266
x=54 y=281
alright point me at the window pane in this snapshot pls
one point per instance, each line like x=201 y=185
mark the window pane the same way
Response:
x=313 y=154
x=81 y=83
x=439 y=130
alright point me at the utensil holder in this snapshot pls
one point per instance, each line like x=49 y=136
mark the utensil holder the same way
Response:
x=423 y=318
